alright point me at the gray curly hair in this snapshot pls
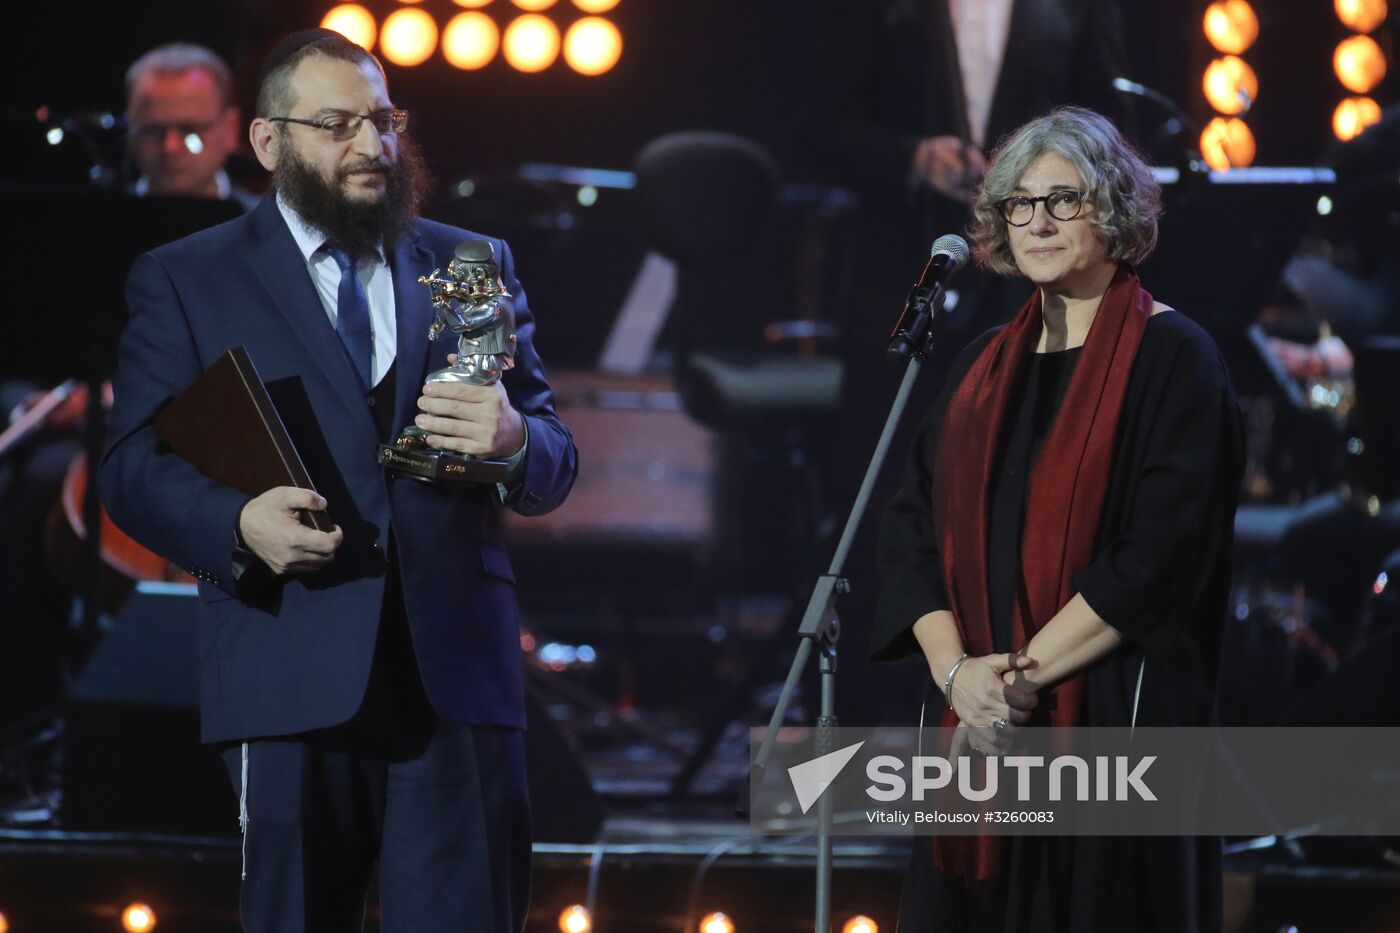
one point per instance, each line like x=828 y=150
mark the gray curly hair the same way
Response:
x=1127 y=199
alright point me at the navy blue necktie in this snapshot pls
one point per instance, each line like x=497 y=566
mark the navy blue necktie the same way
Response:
x=352 y=316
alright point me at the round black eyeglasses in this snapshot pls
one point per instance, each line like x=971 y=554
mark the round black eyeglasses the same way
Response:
x=1061 y=205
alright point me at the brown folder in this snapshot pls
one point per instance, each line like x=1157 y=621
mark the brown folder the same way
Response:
x=226 y=427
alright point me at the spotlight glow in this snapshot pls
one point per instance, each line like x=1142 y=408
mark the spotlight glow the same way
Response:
x=138 y=918
x=534 y=6
x=353 y=22
x=408 y=37
x=1231 y=26
x=472 y=4
x=575 y=919
x=595 y=6
x=1231 y=85
x=592 y=45
x=1227 y=143
x=860 y=924
x=716 y=923
x=4 y=924
x=1361 y=15
x=1353 y=115
x=470 y=41
x=1359 y=64
x=531 y=43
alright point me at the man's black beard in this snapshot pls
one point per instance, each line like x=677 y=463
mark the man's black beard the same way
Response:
x=358 y=227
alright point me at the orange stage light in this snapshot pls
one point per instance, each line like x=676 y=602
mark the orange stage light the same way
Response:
x=575 y=919
x=408 y=37
x=595 y=6
x=531 y=43
x=138 y=918
x=353 y=22
x=1227 y=143
x=716 y=923
x=4 y=924
x=592 y=45
x=1361 y=15
x=860 y=924
x=472 y=4
x=1231 y=25
x=1359 y=63
x=470 y=41
x=1353 y=115
x=1231 y=85
x=534 y=6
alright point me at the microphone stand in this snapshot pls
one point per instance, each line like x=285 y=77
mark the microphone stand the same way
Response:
x=821 y=627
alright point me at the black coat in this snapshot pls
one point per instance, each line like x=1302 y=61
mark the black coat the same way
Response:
x=1161 y=577
x=900 y=82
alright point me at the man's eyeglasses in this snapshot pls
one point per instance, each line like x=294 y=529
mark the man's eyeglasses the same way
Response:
x=191 y=134
x=345 y=126
x=1061 y=205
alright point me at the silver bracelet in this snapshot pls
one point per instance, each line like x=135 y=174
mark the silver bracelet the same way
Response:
x=948 y=684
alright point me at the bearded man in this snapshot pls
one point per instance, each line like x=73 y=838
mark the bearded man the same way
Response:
x=364 y=684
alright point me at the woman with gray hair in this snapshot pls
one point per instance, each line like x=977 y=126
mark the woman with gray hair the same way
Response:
x=1059 y=550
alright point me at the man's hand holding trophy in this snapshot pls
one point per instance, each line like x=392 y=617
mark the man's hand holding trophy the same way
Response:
x=473 y=303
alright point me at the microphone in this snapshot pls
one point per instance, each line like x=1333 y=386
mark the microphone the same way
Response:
x=1176 y=124
x=949 y=254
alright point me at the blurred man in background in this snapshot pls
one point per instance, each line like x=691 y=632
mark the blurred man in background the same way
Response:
x=183 y=124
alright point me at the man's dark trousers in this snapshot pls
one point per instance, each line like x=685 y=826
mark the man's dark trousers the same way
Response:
x=439 y=806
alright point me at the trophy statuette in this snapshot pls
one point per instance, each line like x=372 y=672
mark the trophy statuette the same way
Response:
x=473 y=303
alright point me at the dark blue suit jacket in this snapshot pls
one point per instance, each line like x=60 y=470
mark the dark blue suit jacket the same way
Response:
x=295 y=655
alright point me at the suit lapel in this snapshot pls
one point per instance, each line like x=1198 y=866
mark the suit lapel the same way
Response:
x=277 y=264
x=1019 y=46
x=949 y=84
x=413 y=315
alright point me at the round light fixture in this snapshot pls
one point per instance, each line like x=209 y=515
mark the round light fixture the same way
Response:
x=1227 y=143
x=575 y=919
x=353 y=22
x=470 y=41
x=1361 y=15
x=592 y=45
x=1359 y=63
x=138 y=918
x=1353 y=115
x=1231 y=26
x=716 y=922
x=531 y=43
x=409 y=37
x=1231 y=85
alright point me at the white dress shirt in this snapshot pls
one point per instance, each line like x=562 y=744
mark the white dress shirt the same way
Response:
x=375 y=276
x=981 y=28
x=378 y=282
x=224 y=187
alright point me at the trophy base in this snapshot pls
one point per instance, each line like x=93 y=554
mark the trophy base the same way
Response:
x=440 y=466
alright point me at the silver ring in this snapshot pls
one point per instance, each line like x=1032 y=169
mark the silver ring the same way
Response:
x=1000 y=726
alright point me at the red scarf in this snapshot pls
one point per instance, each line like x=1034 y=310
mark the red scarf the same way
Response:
x=1063 y=503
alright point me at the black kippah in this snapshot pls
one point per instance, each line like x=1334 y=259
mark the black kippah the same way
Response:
x=292 y=45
